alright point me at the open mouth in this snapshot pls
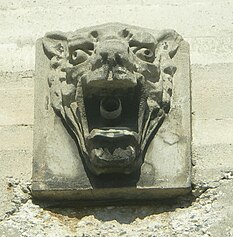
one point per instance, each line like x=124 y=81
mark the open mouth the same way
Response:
x=112 y=119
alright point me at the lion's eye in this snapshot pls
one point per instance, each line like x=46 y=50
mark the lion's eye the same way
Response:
x=145 y=54
x=78 y=56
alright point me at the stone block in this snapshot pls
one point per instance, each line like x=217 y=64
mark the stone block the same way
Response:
x=112 y=115
x=211 y=161
x=211 y=131
x=214 y=100
x=16 y=138
x=23 y=159
x=16 y=95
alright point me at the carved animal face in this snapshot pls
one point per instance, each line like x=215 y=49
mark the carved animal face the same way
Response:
x=111 y=85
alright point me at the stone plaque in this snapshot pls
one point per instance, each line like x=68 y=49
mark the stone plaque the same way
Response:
x=112 y=115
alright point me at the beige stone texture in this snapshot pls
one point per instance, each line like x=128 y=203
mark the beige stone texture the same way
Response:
x=208 y=26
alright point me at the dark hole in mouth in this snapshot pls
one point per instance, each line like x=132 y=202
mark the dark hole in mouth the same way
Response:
x=110 y=104
x=120 y=107
x=110 y=108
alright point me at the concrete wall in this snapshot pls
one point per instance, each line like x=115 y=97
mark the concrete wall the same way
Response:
x=208 y=26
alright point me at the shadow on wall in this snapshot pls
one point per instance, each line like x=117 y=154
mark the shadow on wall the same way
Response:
x=122 y=214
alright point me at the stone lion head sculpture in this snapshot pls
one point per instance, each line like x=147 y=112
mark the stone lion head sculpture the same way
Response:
x=112 y=87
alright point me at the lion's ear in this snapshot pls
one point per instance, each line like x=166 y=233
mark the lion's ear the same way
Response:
x=168 y=43
x=55 y=44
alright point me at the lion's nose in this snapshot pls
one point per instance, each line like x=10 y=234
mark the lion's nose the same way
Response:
x=113 y=51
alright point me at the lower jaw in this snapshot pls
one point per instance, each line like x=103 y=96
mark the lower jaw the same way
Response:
x=120 y=161
x=118 y=171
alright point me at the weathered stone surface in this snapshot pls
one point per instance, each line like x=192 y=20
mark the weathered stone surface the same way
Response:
x=207 y=26
x=220 y=95
x=22 y=139
x=91 y=142
x=16 y=95
x=22 y=22
x=209 y=214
